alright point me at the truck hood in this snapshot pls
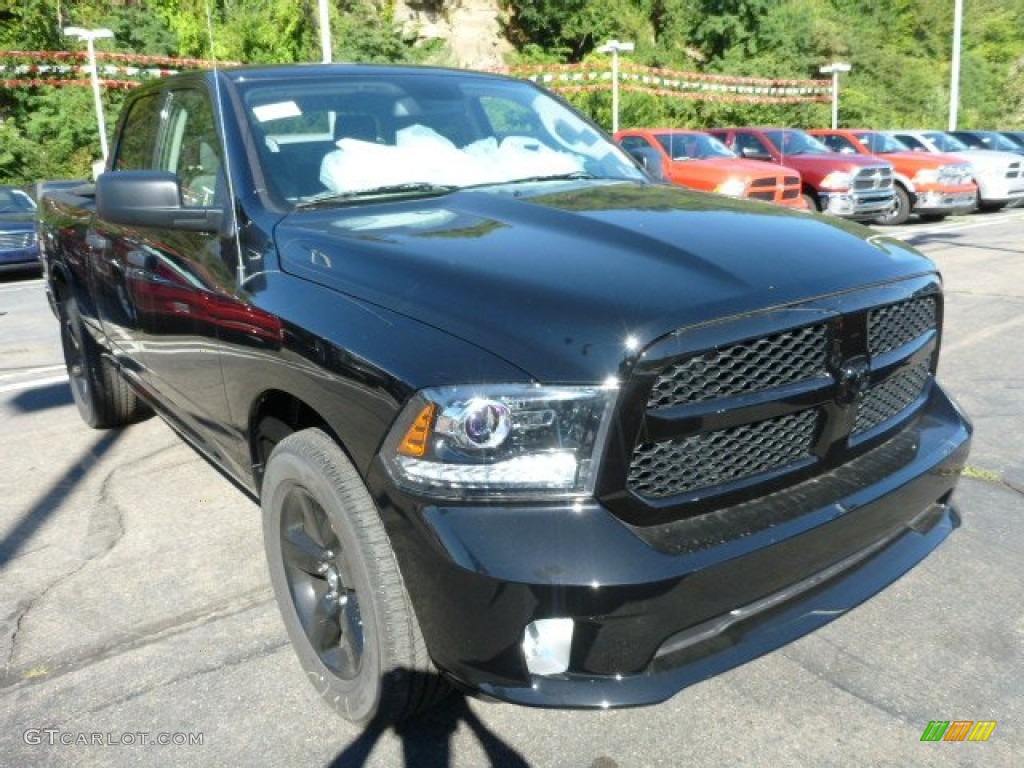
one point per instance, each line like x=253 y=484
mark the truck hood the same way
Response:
x=822 y=165
x=569 y=281
x=738 y=167
x=989 y=159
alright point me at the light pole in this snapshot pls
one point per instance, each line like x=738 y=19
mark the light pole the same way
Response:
x=325 y=31
x=90 y=35
x=834 y=69
x=614 y=47
x=954 y=77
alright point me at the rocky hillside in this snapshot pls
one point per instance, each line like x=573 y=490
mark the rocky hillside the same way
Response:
x=469 y=26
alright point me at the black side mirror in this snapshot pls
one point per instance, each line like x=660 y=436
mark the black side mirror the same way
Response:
x=150 y=199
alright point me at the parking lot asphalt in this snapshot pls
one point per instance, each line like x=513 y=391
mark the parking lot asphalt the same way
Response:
x=136 y=607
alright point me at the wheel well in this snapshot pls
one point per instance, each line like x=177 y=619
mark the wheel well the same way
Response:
x=277 y=415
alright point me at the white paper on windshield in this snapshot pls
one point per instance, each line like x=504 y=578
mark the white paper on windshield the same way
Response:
x=420 y=154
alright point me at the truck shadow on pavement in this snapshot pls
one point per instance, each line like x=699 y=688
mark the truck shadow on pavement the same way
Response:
x=42 y=398
x=77 y=469
x=427 y=740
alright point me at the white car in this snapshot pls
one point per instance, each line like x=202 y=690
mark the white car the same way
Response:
x=999 y=175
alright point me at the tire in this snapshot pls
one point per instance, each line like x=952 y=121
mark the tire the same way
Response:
x=990 y=207
x=812 y=203
x=900 y=210
x=339 y=588
x=102 y=397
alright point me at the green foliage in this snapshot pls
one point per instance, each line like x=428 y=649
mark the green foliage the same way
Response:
x=899 y=49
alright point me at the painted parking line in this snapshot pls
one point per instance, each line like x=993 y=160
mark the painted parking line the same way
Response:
x=21 y=285
x=33 y=383
x=911 y=232
x=30 y=372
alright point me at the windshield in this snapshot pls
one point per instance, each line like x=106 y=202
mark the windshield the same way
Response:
x=993 y=140
x=693 y=146
x=15 y=201
x=790 y=142
x=946 y=143
x=881 y=144
x=400 y=133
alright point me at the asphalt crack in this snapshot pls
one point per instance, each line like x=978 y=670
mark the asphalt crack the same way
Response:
x=147 y=634
x=992 y=477
x=105 y=530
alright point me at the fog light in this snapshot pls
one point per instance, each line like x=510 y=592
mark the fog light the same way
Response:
x=546 y=646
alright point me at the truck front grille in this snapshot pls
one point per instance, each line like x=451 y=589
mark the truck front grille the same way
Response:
x=893 y=326
x=680 y=466
x=10 y=241
x=873 y=177
x=888 y=399
x=778 y=407
x=750 y=366
x=774 y=189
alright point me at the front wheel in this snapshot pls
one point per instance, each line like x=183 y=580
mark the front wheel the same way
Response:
x=338 y=585
x=102 y=397
x=900 y=210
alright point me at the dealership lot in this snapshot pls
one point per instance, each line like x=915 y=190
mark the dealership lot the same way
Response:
x=136 y=605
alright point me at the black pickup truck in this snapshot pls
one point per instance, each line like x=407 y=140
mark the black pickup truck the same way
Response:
x=520 y=420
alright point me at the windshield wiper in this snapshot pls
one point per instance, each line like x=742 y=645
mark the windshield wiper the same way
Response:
x=408 y=189
x=574 y=175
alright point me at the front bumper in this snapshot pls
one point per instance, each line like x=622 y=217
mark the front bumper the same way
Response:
x=940 y=201
x=994 y=189
x=20 y=260
x=857 y=205
x=653 y=612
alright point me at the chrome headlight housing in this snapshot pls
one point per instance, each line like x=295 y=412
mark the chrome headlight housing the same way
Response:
x=497 y=441
x=837 y=180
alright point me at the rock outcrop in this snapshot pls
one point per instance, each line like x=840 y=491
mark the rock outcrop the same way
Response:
x=470 y=28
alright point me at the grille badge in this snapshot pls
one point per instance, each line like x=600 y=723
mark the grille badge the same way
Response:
x=853 y=378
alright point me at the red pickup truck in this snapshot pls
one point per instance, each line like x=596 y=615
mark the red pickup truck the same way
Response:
x=698 y=160
x=931 y=185
x=850 y=186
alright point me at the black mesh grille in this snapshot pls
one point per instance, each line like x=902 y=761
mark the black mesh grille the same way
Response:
x=893 y=395
x=767 y=181
x=673 y=467
x=751 y=366
x=773 y=409
x=894 y=325
x=769 y=196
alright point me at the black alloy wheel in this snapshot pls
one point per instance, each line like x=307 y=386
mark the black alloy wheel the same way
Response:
x=339 y=587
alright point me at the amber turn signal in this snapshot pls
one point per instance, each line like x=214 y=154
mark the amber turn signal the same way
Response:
x=414 y=441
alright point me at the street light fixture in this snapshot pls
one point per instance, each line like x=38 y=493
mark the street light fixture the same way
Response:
x=614 y=47
x=91 y=35
x=834 y=69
